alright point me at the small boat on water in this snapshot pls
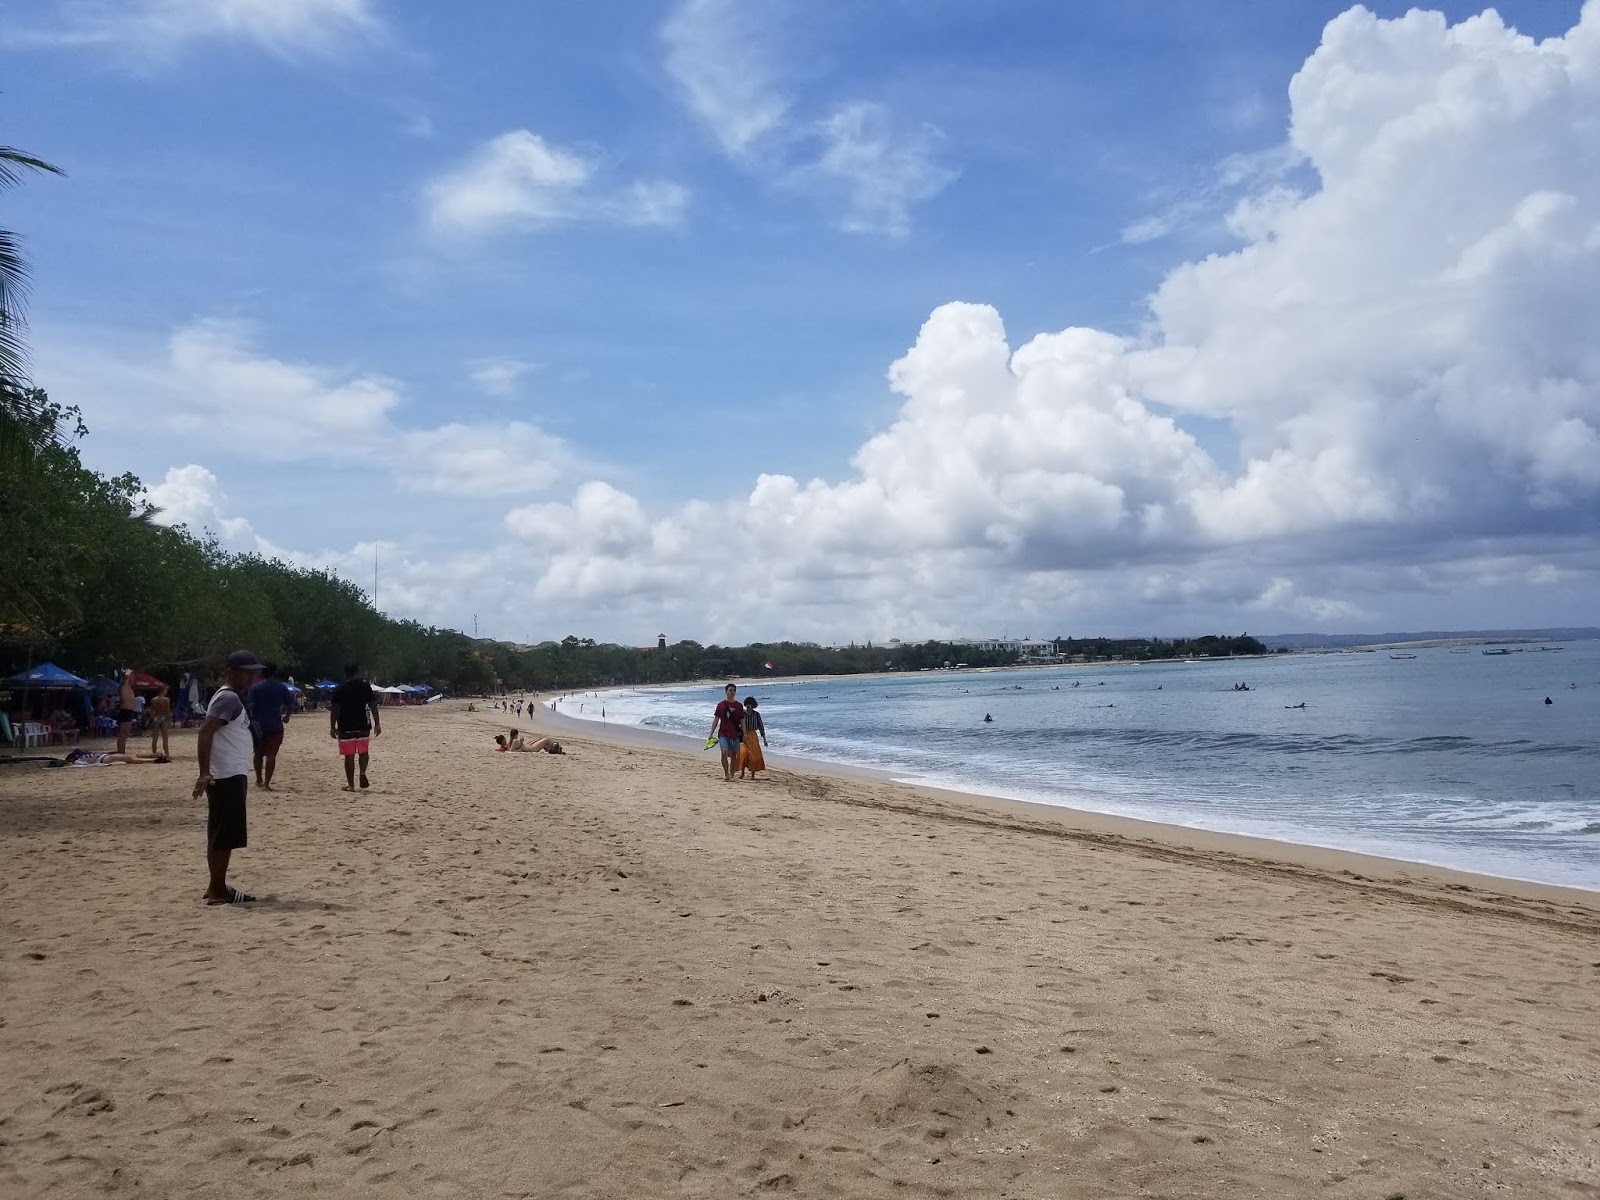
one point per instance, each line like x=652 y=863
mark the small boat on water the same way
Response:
x=1462 y=650
x=1402 y=656
x=1498 y=650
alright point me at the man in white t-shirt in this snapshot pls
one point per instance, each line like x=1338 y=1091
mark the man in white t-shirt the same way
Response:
x=226 y=752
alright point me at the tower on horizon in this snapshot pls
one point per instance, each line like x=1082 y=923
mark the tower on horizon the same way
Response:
x=661 y=641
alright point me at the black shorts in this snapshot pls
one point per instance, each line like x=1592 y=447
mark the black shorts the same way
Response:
x=225 y=823
x=124 y=716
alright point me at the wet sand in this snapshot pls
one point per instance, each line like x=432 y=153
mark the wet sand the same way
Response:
x=612 y=974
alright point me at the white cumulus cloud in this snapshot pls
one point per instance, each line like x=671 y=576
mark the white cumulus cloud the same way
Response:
x=191 y=495
x=1400 y=352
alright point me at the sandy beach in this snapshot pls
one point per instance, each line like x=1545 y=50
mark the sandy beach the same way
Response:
x=610 y=974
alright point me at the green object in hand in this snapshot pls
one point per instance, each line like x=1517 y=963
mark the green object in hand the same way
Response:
x=710 y=742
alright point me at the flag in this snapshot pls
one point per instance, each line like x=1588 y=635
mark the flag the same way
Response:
x=767 y=665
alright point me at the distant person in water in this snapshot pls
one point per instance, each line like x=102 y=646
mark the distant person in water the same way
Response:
x=1547 y=700
x=727 y=726
x=988 y=718
x=755 y=733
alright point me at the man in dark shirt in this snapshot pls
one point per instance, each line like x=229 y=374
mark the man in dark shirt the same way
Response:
x=270 y=703
x=727 y=726
x=353 y=719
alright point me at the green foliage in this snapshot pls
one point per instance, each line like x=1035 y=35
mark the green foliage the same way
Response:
x=1154 y=649
x=86 y=577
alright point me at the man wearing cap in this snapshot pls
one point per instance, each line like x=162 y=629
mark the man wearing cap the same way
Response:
x=226 y=751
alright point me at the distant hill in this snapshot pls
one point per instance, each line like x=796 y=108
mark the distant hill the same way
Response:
x=1334 y=641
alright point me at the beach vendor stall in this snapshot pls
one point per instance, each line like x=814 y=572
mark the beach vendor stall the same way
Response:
x=42 y=701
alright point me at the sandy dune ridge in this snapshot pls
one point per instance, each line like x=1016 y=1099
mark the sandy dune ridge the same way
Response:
x=611 y=974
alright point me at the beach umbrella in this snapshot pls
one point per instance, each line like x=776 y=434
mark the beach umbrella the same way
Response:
x=46 y=675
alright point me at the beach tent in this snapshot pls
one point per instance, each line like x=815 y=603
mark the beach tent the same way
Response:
x=146 y=683
x=325 y=685
x=103 y=685
x=46 y=675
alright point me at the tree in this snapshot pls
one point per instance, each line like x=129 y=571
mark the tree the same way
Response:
x=23 y=429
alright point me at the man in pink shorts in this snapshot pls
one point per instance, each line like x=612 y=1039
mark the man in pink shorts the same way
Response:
x=353 y=719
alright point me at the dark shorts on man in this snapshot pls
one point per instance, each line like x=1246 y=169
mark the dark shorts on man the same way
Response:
x=225 y=818
x=124 y=716
x=270 y=743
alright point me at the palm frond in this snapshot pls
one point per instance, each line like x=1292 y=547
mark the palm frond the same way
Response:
x=13 y=162
x=13 y=283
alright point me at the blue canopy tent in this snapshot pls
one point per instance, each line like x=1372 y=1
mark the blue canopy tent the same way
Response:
x=325 y=685
x=44 y=676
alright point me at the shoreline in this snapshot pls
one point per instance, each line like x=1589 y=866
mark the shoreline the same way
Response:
x=1087 y=824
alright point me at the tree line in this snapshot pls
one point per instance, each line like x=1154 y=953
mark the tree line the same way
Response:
x=91 y=580
x=88 y=578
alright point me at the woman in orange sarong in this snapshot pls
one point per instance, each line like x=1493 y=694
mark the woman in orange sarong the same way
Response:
x=755 y=732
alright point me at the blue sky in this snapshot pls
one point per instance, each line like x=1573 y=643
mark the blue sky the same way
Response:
x=528 y=304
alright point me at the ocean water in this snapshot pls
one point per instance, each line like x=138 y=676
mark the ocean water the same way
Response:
x=1447 y=758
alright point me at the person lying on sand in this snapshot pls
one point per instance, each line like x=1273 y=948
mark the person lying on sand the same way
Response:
x=106 y=758
x=514 y=742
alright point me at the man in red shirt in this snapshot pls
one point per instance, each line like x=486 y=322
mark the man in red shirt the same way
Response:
x=727 y=726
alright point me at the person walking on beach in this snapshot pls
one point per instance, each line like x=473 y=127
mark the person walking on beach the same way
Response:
x=270 y=703
x=224 y=759
x=353 y=719
x=727 y=726
x=125 y=713
x=755 y=733
x=160 y=718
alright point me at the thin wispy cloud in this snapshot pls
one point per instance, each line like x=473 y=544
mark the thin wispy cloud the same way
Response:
x=718 y=54
x=883 y=172
x=145 y=30
x=874 y=170
x=499 y=376
x=1239 y=178
x=520 y=181
x=217 y=393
